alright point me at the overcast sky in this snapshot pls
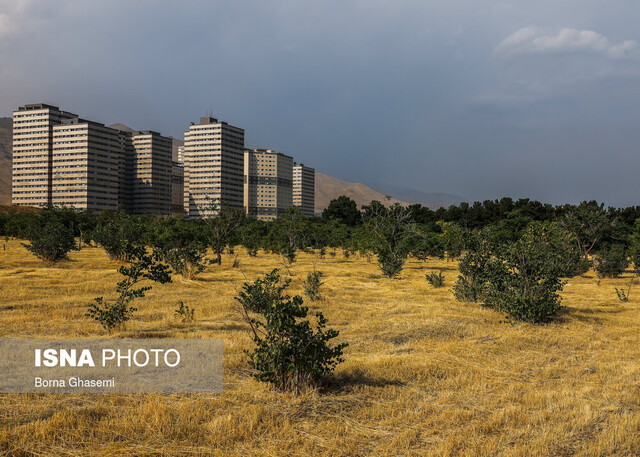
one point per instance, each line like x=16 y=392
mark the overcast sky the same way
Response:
x=537 y=99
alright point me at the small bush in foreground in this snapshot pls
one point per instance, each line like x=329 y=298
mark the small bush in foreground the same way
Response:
x=289 y=353
x=141 y=266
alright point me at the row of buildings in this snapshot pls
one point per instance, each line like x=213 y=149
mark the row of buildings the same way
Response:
x=62 y=159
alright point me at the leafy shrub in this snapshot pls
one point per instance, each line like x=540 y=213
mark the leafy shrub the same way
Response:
x=392 y=233
x=50 y=242
x=312 y=285
x=184 y=312
x=475 y=269
x=524 y=279
x=141 y=266
x=391 y=264
x=187 y=261
x=611 y=262
x=115 y=232
x=289 y=353
x=436 y=280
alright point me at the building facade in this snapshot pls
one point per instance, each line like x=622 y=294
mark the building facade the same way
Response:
x=213 y=167
x=152 y=173
x=304 y=189
x=87 y=165
x=268 y=183
x=64 y=160
x=61 y=159
x=32 y=153
x=181 y=155
x=177 y=189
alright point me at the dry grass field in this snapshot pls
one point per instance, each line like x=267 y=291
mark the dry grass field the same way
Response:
x=424 y=374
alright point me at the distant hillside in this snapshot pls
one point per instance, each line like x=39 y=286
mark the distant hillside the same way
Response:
x=430 y=199
x=124 y=128
x=328 y=188
x=6 y=135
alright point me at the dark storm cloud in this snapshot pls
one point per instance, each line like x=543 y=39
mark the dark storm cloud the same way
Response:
x=479 y=98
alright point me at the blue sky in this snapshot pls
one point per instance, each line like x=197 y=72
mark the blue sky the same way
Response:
x=479 y=98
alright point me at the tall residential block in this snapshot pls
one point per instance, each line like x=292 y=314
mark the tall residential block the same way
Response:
x=87 y=165
x=181 y=154
x=213 y=167
x=152 y=173
x=177 y=189
x=64 y=160
x=32 y=153
x=268 y=183
x=304 y=189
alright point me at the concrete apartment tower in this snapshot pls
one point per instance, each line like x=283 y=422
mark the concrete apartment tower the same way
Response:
x=213 y=167
x=64 y=160
x=268 y=183
x=88 y=165
x=181 y=155
x=152 y=173
x=177 y=189
x=304 y=189
x=33 y=153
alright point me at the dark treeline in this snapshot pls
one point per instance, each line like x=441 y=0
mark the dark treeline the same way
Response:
x=441 y=232
x=513 y=256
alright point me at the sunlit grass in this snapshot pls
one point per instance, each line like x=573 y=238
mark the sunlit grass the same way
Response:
x=424 y=374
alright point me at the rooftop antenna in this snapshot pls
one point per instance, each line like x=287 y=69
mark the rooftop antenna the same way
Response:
x=209 y=113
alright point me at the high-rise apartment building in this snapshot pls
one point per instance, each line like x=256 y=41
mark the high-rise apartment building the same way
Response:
x=64 y=160
x=152 y=173
x=304 y=189
x=32 y=153
x=181 y=154
x=87 y=165
x=213 y=167
x=268 y=183
x=177 y=189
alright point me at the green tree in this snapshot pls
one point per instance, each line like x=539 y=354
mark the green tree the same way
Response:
x=392 y=232
x=115 y=232
x=525 y=278
x=252 y=235
x=221 y=223
x=344 y=210
x=589 y=224
x=476 y=269
x=50 y=236
x=290 y=233
x=611 y=261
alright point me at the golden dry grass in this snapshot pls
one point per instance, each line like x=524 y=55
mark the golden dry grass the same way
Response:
x=424 y=374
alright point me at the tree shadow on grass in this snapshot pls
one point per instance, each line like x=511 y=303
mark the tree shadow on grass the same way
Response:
x=586 y=316
x=347 y=381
